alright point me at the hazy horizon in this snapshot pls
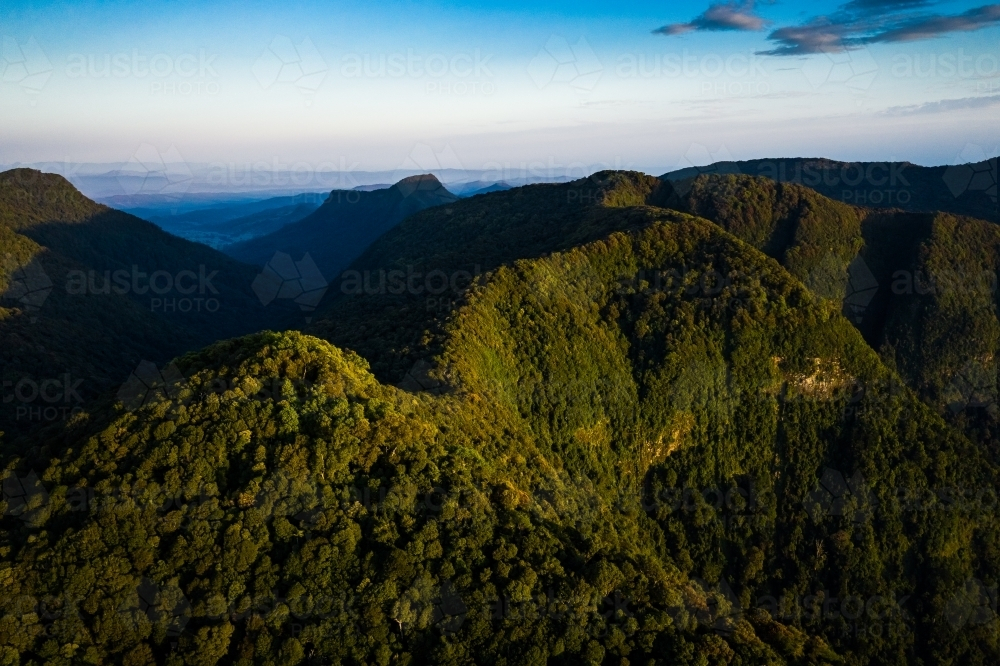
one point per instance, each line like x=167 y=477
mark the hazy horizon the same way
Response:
x=474 y=86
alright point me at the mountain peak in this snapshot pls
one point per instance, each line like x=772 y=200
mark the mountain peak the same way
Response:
x=29 y=196
x=422 y=178
x=425 y=183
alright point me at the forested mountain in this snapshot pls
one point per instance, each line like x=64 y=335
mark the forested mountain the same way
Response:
x=964 y=189
x=636 y=421
x=921 y=287
x=347 y=222
x=89 y=292
x=622 y=464
x=389 y=304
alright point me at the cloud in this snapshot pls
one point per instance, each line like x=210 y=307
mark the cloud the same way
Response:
x=729 y=16
x=821 y=36
x=862 y=22
x=935 y=26
x=944 y=105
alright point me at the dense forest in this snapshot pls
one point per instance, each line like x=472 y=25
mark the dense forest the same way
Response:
x=622 y=420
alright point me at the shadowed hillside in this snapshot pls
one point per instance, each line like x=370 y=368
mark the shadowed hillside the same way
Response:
x=89 y=292
x=347 y=222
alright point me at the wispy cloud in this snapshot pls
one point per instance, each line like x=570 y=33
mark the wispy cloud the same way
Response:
x=944 y=105
x=728 y=16
x=862 y=22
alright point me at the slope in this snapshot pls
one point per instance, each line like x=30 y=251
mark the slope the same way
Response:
x=389 y=304
x=347 y=222
x=921 y=287
x=288 y=508
x=627 y=465
x=89 y=292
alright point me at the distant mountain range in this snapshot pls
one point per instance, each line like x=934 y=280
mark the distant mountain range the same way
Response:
x=347 y=222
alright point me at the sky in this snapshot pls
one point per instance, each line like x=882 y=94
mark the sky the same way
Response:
x=549 y=86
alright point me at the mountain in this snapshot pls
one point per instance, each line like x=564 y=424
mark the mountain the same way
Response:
x=346 y=223
x=89 y=292
x=963 y=189
x=921 y=287
x=495 y=187
x=472 y=188
x=623 y=463
x=389 y=304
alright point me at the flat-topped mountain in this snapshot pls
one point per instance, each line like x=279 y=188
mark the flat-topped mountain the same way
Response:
x=347 y=223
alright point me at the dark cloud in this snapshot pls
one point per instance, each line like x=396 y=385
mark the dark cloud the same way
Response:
x=935 y=26
x=728 y=16
x=861 y=22
x=822 y=36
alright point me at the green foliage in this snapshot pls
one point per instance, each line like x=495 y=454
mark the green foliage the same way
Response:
x=96 y=338
x=647 y=442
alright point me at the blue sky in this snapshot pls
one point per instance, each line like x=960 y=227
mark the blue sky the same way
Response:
x=499 y=85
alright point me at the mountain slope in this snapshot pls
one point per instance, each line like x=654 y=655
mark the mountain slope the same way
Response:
x=89 y=292
x=625 y=463
x=389 y=304
x=314 y=514
x=346 y=223
x=630 y=366
x=922 y=288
